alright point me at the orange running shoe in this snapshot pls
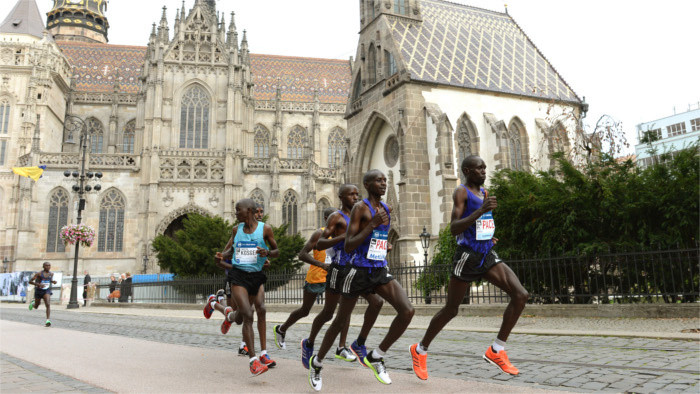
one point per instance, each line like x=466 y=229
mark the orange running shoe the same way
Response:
x=420 y=362
x=226 y=325
x=500 y=360
x=256 y=367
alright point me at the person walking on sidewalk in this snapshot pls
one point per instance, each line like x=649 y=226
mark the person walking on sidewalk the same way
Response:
x=86 y=283
x=42 y=282
x=473 y=225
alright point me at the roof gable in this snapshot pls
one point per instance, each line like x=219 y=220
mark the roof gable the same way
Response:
x=469 y=47
x=24 y=19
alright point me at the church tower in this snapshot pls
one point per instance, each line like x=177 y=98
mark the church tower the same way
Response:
x=78 y=20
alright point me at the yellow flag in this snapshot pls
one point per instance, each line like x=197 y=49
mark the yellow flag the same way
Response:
x=30 y=172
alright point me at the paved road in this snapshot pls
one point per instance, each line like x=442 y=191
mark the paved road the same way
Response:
x=559 y=362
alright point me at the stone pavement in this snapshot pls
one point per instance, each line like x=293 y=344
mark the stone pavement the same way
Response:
x=662 y=361
x=20 y=376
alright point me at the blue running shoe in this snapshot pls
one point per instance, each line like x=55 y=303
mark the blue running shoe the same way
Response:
x=306 y=353
x=360 y=352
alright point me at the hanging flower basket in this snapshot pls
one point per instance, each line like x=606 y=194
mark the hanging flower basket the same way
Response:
x=82 y=233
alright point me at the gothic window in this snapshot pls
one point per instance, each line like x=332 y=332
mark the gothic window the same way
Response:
x=357 y=88
x=390 y=63
x=371 y=65
x=261 y=145
x=467 y=141
x=322 y=205
x=290 y=211
x=129 y=136
x=58 y=217
x=336 y=148
x=96 y=132
x=111 y=231
x=4 y=116
x=370 y=9
x=3 y=151
x=194 y=118
x=258 y=196
x=400 y=7
x=559 y=142
x=295 y=143
x=517 y=146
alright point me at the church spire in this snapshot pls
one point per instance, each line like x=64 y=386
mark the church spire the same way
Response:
x=232 y=36
x=24 y=19
x=163 y=30
x=244 y=49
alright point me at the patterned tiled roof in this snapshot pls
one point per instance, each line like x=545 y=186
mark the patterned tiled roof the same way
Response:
x=95 y=66
x=470 y=47
x=299 y=76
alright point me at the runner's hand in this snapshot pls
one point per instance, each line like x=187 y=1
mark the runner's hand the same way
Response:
x=494 y=240
x=381 y=218
x=262 y=252
x=326 y=267
x=489 y=204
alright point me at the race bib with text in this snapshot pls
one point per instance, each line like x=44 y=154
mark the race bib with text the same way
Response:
x=378 y=245
x=485 y=227
x=246 y=252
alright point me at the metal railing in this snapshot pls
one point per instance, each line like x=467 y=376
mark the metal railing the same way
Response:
x=667 y=276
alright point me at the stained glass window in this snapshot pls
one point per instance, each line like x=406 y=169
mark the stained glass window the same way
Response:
x=336 y=147
x=58 y=217
x=96 y=132
x=295 y=143
x=129 y=136
x=4 y=116
x=261 y=144
x=194 y=119
x=111 y=230
x=290 y=211
x=258 y=196
x=515 y=145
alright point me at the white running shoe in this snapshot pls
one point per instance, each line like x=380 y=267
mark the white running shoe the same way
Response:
x=377 y=366
x=345 y=355
x=315 y=380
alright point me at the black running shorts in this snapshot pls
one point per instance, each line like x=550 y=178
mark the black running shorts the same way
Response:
x=335 y=277
x=360 y=280
x=251 y=281
x=466 y=263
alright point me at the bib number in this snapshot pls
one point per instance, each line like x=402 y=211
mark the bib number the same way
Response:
x=485 y=227
x=378 y=245
x=45 y=285
x=246 y=252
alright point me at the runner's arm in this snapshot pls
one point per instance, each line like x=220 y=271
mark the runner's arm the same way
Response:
x=354 y=235
x=305 y=255
x=458 y=224
x=32 y=281
x=270 y=240
x=333 y=227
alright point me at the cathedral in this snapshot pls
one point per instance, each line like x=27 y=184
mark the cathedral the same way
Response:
x=195 y=121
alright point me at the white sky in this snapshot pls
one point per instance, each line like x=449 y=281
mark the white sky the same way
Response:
x=633 y=60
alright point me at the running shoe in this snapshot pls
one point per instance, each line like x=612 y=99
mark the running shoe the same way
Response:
x=306 y=353
x=256 y=367
x=48 y=323
x=345 y=354
x=226 y=325
x=420 y=362
x=377 y=366
x=500 y=359
x=315 y=380
x=208 y=310
x=243 y=351
x=31 y=305
x=279 y=337
x=267 y=361
x=360 y=352
x=220 y=294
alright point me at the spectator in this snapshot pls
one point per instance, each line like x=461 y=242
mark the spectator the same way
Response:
x=112 y=288
x=126 y=288
x=122 y=288
x=129 y=280
x=86 y=281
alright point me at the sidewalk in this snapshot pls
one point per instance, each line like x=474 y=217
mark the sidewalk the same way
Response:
x=579 y=326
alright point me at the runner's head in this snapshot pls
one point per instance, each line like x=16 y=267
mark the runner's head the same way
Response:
x=474 y=170
x=349 y=195
x=47 y=266
x=375 y=183
x=259 y=212
x=327 y=212
x=245 y=210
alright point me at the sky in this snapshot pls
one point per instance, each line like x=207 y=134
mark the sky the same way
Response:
x=632 y=60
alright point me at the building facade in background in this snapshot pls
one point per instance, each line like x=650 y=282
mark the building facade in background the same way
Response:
x=194 y=122
x=667 y=135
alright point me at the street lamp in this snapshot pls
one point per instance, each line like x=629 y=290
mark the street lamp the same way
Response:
x=425 y=243
x=73 y=124
x=145 y=263
x=5 y=263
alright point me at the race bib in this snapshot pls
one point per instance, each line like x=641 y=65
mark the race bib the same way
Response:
x=45 y=285
x=378 y=245
x=246 y=252
x=485 y=227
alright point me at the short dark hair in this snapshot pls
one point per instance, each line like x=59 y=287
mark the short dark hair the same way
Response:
x=247 y=203
x=469 y=160
x=370 y=176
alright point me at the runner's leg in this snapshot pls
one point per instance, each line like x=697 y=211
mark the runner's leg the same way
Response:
x=455 y=294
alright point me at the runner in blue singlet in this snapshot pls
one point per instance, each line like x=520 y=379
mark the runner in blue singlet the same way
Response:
x=42 y=281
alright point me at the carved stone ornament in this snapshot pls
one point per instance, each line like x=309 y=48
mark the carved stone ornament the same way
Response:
x=214 y=201
x=168 y=199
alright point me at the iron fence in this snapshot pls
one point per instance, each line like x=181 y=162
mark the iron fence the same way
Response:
x=667 y=276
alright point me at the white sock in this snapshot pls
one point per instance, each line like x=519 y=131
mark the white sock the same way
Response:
x=264 y=352
x=211 y=304
x=242 y=344
x=377 y=354
x=498 y=345
x=253 y=359
x=220 y=299
x=420 y=350
x=317 y=363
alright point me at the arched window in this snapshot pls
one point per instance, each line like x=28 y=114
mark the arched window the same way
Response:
x=371 y=65
x=290 y=211
x=58 y=217
x=295 y=143
x=517 y=146
x=96 y=132
x=111 y=230
x=400 y=7
x=558 y=142
x=357 y=87
x=320 y=207
x=194 y=118
x=467 y=141
x=390 y=63
x=336 y=148
x=4 y=116
x=261 y=144
x=258 y=196
x=129 y=136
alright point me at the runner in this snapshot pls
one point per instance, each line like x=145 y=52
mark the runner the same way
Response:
x=42 y=290
x=249 y=246
x=473 y=225
x=366 y=241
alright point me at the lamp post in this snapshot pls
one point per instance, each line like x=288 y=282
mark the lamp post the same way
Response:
x=145 y=263
x=5 y=264
x=73 y=124
x=425 y=243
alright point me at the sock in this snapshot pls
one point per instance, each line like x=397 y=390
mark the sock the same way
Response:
x=361 y=341
x=420 y=349
x=280 y=330
x=317 y=363
x=211 y=304
x=262 y=353
x=220 y=299
x=242 y=344
x=377 y=354
x=309 y=344
x=253 y=359
x=498 y=345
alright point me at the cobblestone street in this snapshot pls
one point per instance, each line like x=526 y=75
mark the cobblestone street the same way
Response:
x=579 y=363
